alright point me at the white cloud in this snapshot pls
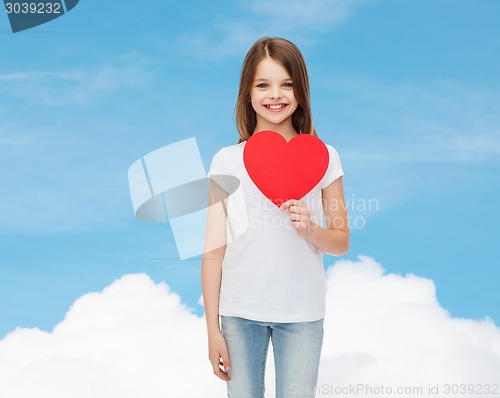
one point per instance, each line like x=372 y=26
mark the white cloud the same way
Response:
x=390 y=329
x=232 y=35
x=136 y=338
x=74 y=74
x=80 y=85
x=299 y=13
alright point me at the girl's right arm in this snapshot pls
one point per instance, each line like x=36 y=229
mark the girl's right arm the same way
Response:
x=211 y=276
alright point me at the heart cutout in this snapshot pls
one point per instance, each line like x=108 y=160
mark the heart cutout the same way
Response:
x=284 y=170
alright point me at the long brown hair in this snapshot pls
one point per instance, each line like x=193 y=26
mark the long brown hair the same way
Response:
x=289 y=56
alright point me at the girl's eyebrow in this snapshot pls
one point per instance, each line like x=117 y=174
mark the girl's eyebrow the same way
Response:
x=265 y=80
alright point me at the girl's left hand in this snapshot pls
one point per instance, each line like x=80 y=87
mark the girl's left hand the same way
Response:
x=299 y=214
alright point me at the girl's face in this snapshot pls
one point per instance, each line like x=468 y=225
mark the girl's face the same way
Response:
x=272 y=96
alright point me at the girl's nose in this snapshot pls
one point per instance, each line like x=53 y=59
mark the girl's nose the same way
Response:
x=275 y=93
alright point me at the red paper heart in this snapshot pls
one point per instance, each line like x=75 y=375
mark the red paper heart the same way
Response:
x=284 y=171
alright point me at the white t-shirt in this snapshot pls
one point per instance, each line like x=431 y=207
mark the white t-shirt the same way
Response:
x=269 y=272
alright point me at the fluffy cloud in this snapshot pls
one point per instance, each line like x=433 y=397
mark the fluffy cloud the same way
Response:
x=388 y=329
x=137 y=338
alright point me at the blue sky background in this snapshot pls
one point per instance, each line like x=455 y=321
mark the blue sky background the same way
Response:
x=406 y=91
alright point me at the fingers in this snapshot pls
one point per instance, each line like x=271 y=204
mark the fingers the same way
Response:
x=221 y=374
x=288 y=203
x=296 y=216
x=298 y=211
x=217 y=363
x=225 y=360
x=299 y=215
x=295 y=208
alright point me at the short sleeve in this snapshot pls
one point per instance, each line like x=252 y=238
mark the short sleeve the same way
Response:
x=334 y=170
x=217 y=166
x=218 y=172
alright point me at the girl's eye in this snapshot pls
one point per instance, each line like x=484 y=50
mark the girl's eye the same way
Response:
x=288 y=85
x=262 y=85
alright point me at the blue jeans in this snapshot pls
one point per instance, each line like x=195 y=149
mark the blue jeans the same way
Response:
x=296 y=347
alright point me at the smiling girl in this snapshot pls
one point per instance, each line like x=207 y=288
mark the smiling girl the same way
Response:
x=269 y=283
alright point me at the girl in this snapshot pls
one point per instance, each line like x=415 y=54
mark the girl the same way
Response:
x=269 y=283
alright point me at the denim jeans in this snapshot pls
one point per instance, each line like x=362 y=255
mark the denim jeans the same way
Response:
x=296 y=347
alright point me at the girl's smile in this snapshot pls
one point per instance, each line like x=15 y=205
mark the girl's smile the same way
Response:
x=275 y=107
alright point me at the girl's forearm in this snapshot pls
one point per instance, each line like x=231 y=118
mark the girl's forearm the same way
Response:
x=330 y=241
x=211 y=276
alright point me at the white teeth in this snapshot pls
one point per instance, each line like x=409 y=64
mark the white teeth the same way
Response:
x=275 y=106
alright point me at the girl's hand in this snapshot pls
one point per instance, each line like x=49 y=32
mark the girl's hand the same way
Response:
x=299 y=214
x=217 y=350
